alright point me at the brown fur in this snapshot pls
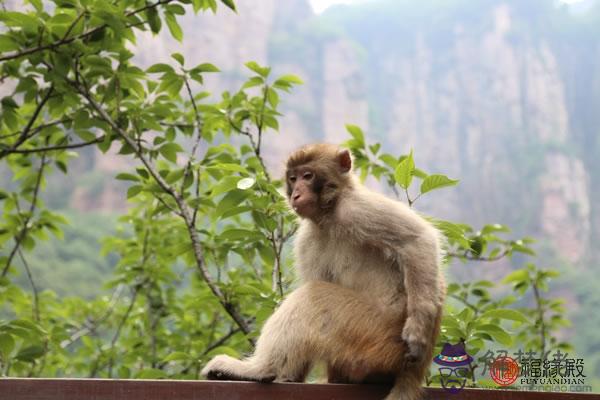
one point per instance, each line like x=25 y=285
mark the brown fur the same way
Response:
x=371 y=301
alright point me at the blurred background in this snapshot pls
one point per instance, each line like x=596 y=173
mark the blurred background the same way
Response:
x=501 y=94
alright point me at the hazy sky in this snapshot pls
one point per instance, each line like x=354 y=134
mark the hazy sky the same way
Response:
x=320 y=5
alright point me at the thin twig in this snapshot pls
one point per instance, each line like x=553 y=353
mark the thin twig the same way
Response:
x=540 y=310
x=164 y=203
x=91 y=326
x=25 y=132
x=117 y=334
x=23 y=232
x=37 y=128
x=469 y=257
x=221 y=341
x=34 y=289
x=58 y=147
x=276 y=278
x=465 y=302
x=198 y=137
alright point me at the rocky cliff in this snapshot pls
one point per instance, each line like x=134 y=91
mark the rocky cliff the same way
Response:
x=497 y=94
x=482 y=97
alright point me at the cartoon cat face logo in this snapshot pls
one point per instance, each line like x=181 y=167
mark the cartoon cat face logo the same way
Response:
x=454 y=367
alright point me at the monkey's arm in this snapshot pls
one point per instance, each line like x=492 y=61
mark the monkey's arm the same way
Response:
x=420 y=260
x=413 y=244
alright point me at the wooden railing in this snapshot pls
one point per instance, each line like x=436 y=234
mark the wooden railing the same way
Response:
x=104 y=389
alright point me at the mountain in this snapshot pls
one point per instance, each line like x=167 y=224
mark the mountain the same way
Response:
x=500 y=93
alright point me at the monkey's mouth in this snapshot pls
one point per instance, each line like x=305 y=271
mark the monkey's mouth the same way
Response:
x=303 y=209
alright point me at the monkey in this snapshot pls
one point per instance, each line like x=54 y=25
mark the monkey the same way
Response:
x=370 y=303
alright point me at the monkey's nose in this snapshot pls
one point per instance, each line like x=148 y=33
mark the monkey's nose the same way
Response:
x=296 y=196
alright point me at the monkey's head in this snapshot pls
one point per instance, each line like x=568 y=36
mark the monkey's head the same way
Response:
x=315 y=176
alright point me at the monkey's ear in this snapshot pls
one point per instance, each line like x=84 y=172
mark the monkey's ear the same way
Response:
x=344 y=160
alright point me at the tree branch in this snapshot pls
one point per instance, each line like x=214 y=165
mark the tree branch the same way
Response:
x=221 y=341
x=197 y=141
x=21 y=53
x=58 y=147
x=25 y=132
x=21 y=235
x=37 y=128
x=92 y=325
x=276 y=278
x=465 y=302
x=540 y=311
x=469 y=257
x=115 y=337
x=184 y=210
x=34 y=289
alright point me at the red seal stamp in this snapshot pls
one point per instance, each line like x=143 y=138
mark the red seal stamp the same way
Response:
x=504 y=371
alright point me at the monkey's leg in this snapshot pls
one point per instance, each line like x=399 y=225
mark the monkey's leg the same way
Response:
x=282 y=351
x=319 y=321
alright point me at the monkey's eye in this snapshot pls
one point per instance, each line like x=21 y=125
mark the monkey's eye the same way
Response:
x=307 y=176
x=292 y=179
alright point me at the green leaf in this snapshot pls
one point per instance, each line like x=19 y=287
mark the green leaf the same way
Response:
x=206 y=67
x=520 y=246
x=404 y=171
x=357 y=134
x=505 y=313
x=230 y=4
x=375 y=148
x=154 y=20
x=7 y=44
x=262 y=71
x=174 y=27
x=245 y=183
x=151 y=373
x=389 y=160
x=229 y=204
x=133 y=190
x=272 y=97
x=239 y=234
x=160 y=68
x=289 y=78
x=29 y=354
x=16 y=19
x=254 y=81
x=498 y=334
x=172 y=84
x=225 y=185
x=170 y=150
x=519 y=275
x=176 y=9
x=177 y=356
x=436 y=181
x=7 y=344
x=179 y=58
x=127 y=177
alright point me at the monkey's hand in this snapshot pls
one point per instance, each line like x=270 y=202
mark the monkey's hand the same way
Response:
x=415 y=341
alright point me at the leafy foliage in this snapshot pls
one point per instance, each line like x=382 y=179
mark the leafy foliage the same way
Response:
x=203 y=251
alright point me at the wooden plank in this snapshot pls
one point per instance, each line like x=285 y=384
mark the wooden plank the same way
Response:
x=105 y=389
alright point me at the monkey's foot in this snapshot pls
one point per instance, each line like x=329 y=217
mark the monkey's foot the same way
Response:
x=225 y=368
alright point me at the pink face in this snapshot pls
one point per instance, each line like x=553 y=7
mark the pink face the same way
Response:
x=301 y=192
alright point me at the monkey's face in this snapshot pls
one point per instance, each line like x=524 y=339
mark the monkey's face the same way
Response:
x=315 y=177
x=303 y=187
